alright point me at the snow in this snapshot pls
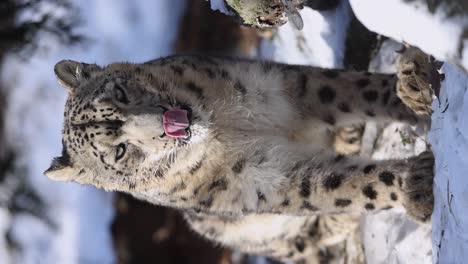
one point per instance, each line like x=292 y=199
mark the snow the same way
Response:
x=320 y=43
x=118 y=30
x=220 y=6
x=390 y=237
x=386 y=58
x=412 y=22
x=449 y=139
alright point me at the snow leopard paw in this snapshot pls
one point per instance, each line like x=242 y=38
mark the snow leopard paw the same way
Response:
x=348 y=139
x=417 y=79
x=418 y=198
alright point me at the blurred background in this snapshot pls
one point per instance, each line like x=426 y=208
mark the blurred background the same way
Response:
x=48 y=222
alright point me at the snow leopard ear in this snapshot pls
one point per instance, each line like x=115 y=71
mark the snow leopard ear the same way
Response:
x=71 y=74
x=61 y=169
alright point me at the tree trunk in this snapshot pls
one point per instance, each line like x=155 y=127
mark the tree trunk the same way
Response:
x=260 y=13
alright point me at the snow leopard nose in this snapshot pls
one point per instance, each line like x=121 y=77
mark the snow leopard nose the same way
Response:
x=144 y=126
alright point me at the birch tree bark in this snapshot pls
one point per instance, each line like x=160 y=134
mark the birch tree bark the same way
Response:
x=260 y=13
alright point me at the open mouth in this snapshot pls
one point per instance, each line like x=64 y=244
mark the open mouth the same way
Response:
x=177 y=121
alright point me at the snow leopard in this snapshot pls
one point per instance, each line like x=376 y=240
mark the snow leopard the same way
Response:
x=245 y=148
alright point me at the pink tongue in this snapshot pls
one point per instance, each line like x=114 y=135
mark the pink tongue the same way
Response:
x=175 y=122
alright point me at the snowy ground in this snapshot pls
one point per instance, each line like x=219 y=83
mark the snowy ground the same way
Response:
x=118 y=31
x=449 y=138
x=444 y=36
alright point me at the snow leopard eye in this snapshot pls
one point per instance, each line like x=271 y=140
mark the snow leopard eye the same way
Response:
x=120 y=152
x=120 y=94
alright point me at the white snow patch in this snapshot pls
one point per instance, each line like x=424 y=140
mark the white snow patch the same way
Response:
x=390 y=237
x=220 y=6
x=399 y=140
x=386 y=58
x=413 y=23
x=320 y=43
x=449 y=138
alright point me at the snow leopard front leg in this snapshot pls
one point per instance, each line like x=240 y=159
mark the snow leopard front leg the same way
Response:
x=341 y=98
x=325 y=182
x=288 y=180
